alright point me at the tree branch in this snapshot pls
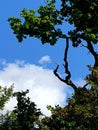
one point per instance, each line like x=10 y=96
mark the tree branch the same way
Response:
x=84 y=86
x=61 y=35
x=95 y=55
x=67 y=79
x=91 y=49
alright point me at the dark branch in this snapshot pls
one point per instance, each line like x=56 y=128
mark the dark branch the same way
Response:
x=67 y=79
x=84 y=86
x=66 y=62
x=91 y=49
x=60 y=35
x=95 y=55
x=57 y=75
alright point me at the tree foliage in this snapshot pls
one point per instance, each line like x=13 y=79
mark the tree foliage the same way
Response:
x=81 y=113
x=38 y=24
x=5 y=94
x=43 y=22
x=25 y=115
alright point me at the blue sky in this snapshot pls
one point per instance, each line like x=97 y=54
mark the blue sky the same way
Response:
x=32 y=52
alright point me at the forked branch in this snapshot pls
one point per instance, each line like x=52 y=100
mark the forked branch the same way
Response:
x=67 y=79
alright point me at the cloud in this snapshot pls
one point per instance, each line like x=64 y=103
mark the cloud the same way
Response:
x=45 y=59
x=44 y=88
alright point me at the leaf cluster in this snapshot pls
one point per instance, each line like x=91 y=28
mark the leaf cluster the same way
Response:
x=83 y=15
x=25 y=116
x=5 y=94
x=39 y=24
x=81 y=113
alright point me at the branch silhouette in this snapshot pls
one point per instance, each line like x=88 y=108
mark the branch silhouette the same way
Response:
x=67 y=79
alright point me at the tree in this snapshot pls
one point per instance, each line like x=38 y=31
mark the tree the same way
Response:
x=82 y=109
x=81 y=113
x=5 y=94
x=25 y=116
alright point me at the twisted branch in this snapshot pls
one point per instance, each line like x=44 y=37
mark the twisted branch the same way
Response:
x=67 y=79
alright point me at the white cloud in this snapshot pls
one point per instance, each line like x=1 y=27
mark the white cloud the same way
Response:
x=44 y=88
x=45 y=59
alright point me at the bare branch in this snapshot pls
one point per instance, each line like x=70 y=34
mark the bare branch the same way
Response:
x=66 y=62
x=67 y=79
x=84 y=86
x=92 y=51
x=57 y=75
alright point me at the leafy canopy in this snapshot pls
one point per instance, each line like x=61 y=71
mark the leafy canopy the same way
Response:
x=43 y=23
x=25 y=115
x=5 y=94
x=40 y=24
x=83 y=15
